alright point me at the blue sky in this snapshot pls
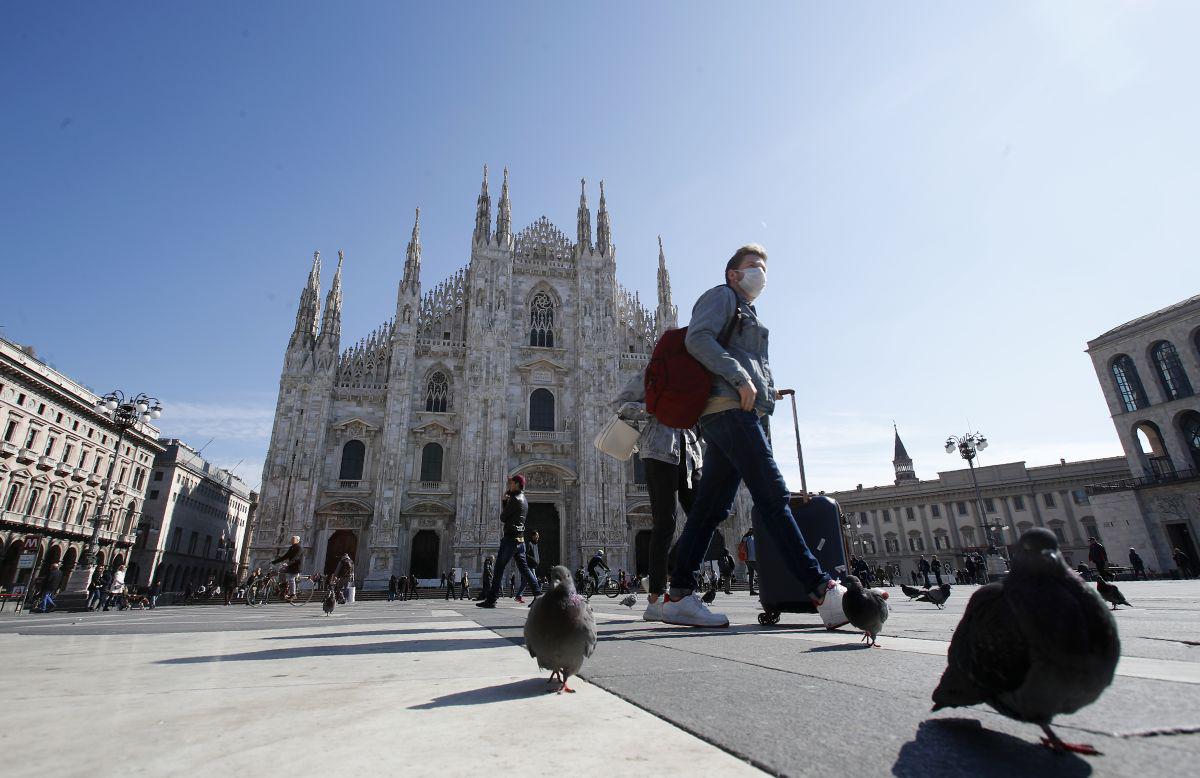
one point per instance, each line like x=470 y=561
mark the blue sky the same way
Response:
x=956 y=196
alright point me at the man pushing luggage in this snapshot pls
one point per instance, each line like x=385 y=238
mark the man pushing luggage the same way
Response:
x=726 y=336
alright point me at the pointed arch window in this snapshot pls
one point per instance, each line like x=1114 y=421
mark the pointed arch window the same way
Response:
x=431 y=462
x=354 y=454
x=1174 y=380
x=541 y=321
x=437 y=393
x=1125 y=374
x=541 y=411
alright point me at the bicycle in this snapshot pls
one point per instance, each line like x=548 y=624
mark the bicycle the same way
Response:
x=273 y=587
x=606 y=586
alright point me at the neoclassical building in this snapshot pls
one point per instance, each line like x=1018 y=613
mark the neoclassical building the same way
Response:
x=396 y=448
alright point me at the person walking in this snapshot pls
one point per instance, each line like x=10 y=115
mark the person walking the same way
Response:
x=51 y=583
x=533 y=557
x=116 y=589
x=935 y=565
x=393 y=584
x=514 y=509
x=738 y=451
x=671 y=458
x=923 y=567
x=1182 y=561
x=464 y=589
x=448 y=577
x=749 y=554
x=1137 y=565
x=1098 y=557
x=291 y=568
x=153 y=593
x=485 y=582
x=96 y=588
x=229 y=585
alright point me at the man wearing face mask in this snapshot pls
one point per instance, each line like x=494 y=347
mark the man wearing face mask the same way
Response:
x=743 y=393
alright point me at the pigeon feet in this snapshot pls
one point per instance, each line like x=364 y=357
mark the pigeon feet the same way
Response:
x=1058 y=745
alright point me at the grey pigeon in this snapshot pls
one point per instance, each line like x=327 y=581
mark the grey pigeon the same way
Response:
x=1039 y=643
x=709 y=596
x=629 y=601
x=935 y=594
x=911 y=592
x=1110 y=593
x=867 y=609
x=560 y=631
x=329 y=602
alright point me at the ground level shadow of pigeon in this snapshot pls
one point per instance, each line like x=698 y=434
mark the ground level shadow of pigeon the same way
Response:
x=956 y=747
x=513 y=690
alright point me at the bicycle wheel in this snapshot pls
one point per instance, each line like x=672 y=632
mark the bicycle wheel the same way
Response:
x=303 y=595
x=610 y=589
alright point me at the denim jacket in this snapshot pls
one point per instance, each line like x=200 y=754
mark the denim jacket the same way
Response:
x=744 y=358
x=656 y=440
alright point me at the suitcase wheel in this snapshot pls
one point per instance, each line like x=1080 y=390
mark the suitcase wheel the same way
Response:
x=767 y=618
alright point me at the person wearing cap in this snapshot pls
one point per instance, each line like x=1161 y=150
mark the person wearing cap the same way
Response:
x=513 y=510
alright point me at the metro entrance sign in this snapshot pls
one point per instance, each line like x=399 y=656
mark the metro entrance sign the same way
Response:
x=31 y=544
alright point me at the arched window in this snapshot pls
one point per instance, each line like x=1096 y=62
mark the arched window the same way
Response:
x=1189 y=425
x=127 y=525
x=541 y=410
x=1174 y=381
x=1128 y=383
x=354 y=453
x=431 y=462
x=437 y=393
x=541 y=321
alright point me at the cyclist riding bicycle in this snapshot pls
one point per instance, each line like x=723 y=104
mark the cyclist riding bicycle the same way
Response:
x=292 y=567
x=595 y=564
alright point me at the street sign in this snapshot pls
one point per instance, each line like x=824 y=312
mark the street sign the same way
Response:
x=31 y=544
x=26 y=561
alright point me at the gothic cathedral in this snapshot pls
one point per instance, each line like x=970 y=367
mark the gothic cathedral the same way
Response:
x=396 y=450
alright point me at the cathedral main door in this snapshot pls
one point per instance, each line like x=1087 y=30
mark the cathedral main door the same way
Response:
x=424 y=559
x=342 y=541
x=543 y=517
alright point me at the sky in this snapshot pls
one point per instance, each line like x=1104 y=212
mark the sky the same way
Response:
x=956 y=197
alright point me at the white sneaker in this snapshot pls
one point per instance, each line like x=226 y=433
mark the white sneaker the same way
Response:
x=830 y=608
x=654 y=610
x=692 y=612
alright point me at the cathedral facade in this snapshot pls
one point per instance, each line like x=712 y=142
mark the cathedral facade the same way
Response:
x=396 y=449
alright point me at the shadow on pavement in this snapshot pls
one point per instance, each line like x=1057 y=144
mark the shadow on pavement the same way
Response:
x=513 y=690
x=376 y=633
x=839 y=647
x=957 y=747
x=401 y=647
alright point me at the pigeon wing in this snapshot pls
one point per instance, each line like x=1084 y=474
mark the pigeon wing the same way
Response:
x=987 y=655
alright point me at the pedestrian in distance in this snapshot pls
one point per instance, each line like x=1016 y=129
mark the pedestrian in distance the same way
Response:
x=748 y=554
x=726 y=336
x=448 y=581
x=924 y=569
x=51 y=583
x=464 y=589
x=393 y=586
x=342 y=578
x=153 y=593
x=532 y=557
x=1137 y=565
x=514 y=509
x=935 y=566
x=485 y=582
x=116 y=589
x=229 y=585
x=96 y=588
x=1098 y=557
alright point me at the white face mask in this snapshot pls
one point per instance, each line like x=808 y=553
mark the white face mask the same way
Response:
x=754 y=281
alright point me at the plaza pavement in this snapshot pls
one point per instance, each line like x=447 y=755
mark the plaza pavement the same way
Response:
x=431 y=687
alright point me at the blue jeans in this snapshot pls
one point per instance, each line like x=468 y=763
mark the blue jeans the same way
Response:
x=510 y=549
x=737 y=451
x=47 y=604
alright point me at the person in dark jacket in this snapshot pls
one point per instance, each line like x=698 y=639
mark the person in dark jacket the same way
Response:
x=153 y=593
x=392 y=586
x=343 y=577
x=292 y=567
x=727 y=568
x=229 y=585
x=533 y=556
x=485 y=582
x=923 y=568
x=448 y=577
x=96 y=588
x=1098 y=557
x=1182 y=561
x=513 y=511
x=935 y=565
x=1137 y=565
x=50 y=586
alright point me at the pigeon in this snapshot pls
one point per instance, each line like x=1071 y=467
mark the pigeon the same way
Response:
x=867 y=609
x=560 y=631
x=1110 y=593
x=709 y=596
x=912 y=592
x=629 y=601
x=1035 y=645
x=330 y=601
x=937 y=595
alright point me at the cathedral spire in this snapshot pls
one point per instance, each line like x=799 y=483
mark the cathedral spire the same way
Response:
x=504 y=213
x=584 y=231
x=667 y=314
x=331 y=325
x=483 y=213
x=603 y=231
x=901 y=461
x=310 y=303
x=412 y=260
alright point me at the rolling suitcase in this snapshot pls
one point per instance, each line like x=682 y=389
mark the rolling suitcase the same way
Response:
x=820 y=520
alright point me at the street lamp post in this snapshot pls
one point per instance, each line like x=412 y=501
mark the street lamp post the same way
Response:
x=125 y=414
x=969 y=446
x=852 y=539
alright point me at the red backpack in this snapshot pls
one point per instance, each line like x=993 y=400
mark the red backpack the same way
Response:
x=677 y=385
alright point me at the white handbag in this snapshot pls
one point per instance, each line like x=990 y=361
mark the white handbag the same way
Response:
x=617 y=439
